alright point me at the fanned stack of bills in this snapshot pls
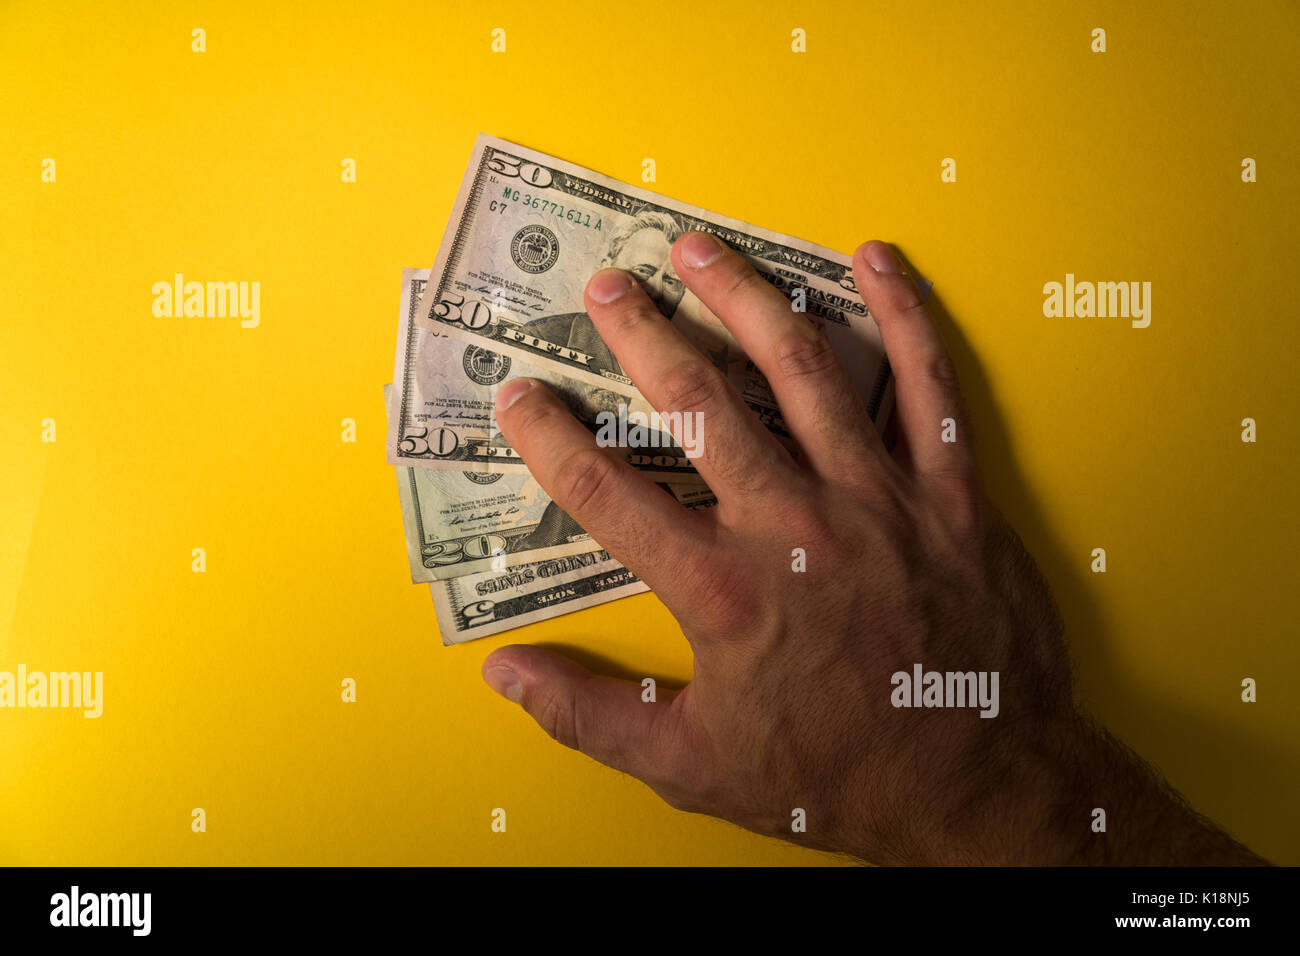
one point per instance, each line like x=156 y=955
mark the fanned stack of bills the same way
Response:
x=504 y=299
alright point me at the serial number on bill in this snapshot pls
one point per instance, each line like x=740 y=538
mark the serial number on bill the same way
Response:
x=559 y=210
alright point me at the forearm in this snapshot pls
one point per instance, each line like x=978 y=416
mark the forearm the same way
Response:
x=1030 y=797
x=1054 y=789
x=1148 y=823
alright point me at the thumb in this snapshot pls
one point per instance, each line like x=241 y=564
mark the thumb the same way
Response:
x=603 y=717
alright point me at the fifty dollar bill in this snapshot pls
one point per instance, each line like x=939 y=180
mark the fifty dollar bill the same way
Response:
x=450 y=387
x=461 y=521
x=526 y=233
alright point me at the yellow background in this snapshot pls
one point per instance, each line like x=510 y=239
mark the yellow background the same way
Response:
x=222 y=690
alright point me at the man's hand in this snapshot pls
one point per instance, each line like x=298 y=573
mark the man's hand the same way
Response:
x=790 y=706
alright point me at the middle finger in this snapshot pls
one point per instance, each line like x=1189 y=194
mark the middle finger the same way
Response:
x=817 y=401
x=734 y=453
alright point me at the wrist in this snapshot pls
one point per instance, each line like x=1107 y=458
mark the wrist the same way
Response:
x=1064 y=791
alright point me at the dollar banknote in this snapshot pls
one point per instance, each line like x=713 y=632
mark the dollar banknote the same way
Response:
x=461 y=522
x=528 y=230
x=450 y=417
x=488 y=602
x=457 y=522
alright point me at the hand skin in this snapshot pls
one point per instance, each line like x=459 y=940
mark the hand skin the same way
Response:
x=906 y=563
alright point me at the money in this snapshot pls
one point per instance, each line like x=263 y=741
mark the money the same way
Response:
x=457 y=522
x=488 y=602
x=451 y=420
x=460 y=522
x=504 y=299
x=526 y=233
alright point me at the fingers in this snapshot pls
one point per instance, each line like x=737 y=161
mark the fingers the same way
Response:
x=737 y=456
x=603 y=717
x=640 y=524
x=817 y=400
x=927 y=400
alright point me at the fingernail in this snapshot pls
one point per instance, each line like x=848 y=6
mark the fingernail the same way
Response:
x=881 y=258
x=699 y=249
x=504 y=681
x=510 y=392
x=608 y=284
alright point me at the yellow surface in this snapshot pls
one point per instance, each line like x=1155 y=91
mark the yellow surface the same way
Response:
x=222 y=690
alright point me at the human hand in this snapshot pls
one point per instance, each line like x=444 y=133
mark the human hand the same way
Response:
x=792 y=706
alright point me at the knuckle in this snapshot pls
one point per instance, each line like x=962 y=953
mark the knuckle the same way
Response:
x=722 y=590
x=533 y=409
x=937 y=367
x=624 y=316
x=960 y=502
x=556 y=716
x=803 y=353
x=907 y=302
x=913 y=308
x=740 y=277
x=684 y=783
x=586 y=480
x=895 y=301
x=693 y=385
x=809 y=529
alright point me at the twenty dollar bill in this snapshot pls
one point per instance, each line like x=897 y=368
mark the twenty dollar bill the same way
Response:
x=488 y=602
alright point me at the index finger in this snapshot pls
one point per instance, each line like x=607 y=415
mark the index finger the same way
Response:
x=817 y=400
x=734 y=453
x=640 y=524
